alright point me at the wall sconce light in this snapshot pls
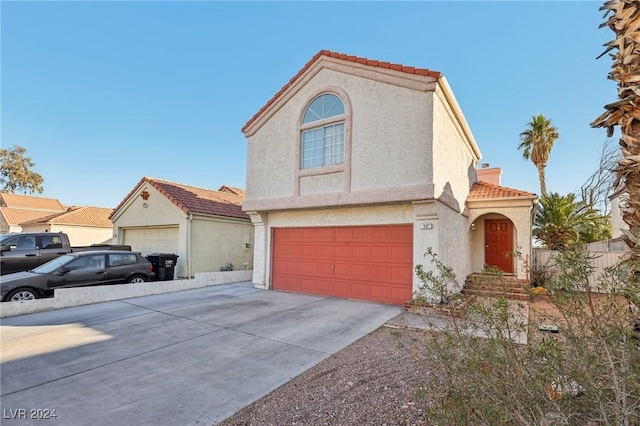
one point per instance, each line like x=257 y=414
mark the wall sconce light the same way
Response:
x=473 y=226
x=145 y=205
x=247 y=245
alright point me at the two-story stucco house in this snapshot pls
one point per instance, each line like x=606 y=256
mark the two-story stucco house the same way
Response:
x=356 y=167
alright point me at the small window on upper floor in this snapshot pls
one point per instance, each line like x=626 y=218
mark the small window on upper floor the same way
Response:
x=323 y=132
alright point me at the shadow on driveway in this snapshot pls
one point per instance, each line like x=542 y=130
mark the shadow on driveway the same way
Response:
x=191 y=357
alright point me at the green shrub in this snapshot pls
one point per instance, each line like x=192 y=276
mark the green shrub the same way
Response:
x=481 y=373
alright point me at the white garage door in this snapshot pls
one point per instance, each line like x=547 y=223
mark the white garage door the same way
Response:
x=152 y=240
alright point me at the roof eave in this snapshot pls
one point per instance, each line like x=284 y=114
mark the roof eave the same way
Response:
x=494 y=200
x=418 y=78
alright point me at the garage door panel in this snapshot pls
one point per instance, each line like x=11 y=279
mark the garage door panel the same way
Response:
x=293 y=267
x=343 y=234
x=402 y=233
x=293 y=283
x=325 y=251
x=342 y=270
x=294 y=250
x=149 y=240
x=324 y=269
x=360 y=251
x=401 y=254
x=380 y=233
x=381 y=253
x=309 y=268
x=309 y=250
x=399 y=274
x=308 y=285
x=341 y=288
x=361 y=233
x=380 y=292
x=364 y=262
x=324 y=286
x=360 y=289
x=295 y=234
x=360 y=271
x=397 y=293
x=380 y=273
x=341 y=251
x=279 y=266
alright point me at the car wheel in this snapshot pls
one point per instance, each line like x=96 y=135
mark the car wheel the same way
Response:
x=137 y=279
x=22 y=294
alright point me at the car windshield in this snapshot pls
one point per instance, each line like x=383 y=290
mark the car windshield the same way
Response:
x=52 y=265
x=5 y=236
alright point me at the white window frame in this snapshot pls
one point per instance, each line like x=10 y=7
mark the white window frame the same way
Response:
x=323 y=124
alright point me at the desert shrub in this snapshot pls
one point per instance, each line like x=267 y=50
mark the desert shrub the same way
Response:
x=438 y=285
x=539 y=275
x=494 y=366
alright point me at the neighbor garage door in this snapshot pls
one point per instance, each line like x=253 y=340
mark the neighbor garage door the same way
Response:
x=361 y=262
x=152 y=239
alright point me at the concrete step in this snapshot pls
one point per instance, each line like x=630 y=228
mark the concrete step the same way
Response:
x=508 y=287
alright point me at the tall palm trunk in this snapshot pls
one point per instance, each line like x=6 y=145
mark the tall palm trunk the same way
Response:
x=624 y=21
x=543 y=183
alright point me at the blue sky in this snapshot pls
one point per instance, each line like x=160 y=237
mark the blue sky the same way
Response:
x=104 y=93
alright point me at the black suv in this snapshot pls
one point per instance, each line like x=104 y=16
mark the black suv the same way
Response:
x=86 y=268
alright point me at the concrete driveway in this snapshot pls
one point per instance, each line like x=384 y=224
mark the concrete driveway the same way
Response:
x=185 y=358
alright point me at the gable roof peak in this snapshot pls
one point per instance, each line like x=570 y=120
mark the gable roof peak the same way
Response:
x=348 y=58
x=192 y=199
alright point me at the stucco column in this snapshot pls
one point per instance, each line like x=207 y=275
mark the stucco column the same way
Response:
x=425 y=235
x=260 y=249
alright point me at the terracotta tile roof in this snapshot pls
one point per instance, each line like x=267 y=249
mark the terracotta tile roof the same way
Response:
x=345 y=57
x=16 y=216
x=30 y=202
x=192 y=199
x=85 y=216
x=483 y=190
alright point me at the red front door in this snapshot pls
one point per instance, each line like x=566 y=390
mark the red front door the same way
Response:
x=498 y=239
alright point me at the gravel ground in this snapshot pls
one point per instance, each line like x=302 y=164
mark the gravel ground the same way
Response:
x=374 y=381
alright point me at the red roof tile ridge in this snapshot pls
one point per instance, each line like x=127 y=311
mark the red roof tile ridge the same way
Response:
x=186 y=204
x=351 y=58
x=503 y=189
x=196 y=187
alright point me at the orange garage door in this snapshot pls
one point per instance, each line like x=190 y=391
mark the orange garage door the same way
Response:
x=361 y=262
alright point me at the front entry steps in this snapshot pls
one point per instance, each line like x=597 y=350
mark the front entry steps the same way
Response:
x=495 y=286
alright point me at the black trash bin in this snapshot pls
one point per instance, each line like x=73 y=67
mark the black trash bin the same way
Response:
x=164 y=265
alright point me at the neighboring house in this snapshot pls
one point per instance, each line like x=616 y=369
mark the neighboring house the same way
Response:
x=84 y=225
x=17 y=209
x=206 y=228
x=356 y=167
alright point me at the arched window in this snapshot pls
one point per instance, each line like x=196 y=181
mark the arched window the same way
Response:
x=323 y=132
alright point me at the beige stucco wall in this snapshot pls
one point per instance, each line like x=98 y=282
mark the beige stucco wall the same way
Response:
x=159 y=211
x=400 y=131
x=205 y=243
x=383 y=153
x=428 y=231
x=520 y=216
x=454 y=162
x=218 y=241
x=455 y=242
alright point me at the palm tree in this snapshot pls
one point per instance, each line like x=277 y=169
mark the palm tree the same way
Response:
x=562 y=222
x=624 y=21
x=537 y=142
